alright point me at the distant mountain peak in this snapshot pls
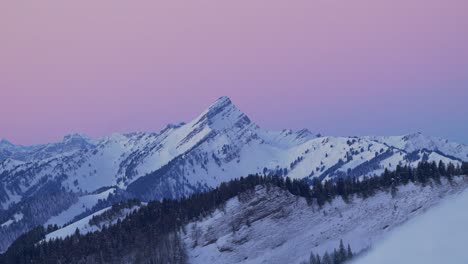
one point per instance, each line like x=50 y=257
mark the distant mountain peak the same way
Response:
x=413 y=135
x=223 y=114
x=305 y=133
x=221 y=101
x=5 y=142
x=219 y=105
x=76 y=137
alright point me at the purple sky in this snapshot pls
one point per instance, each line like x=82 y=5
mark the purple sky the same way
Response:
x=335 y=67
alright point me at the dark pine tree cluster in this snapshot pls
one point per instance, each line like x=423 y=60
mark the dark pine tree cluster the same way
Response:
x=389 y=180
x=339 y=256
x=114 y=212
x=151 y=234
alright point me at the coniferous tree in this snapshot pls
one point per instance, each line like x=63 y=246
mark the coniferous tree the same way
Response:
x=318 y=259
x=464 y=168
x=442 y=169
x=349 y=253
x=326 y=259
x=341 y=252
x=336 y=257
x=450 y=171
x=411 y=175
x=313 y=258
x=421 y=175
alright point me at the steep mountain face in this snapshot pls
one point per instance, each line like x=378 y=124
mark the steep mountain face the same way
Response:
x=220 y=144
x=274 y=226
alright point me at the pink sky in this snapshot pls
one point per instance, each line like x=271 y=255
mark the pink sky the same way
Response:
x=335 y=67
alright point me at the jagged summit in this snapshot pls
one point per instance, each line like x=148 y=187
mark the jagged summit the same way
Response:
x=220 y=106
x=413 y=135
x=76 y=137
x=306 y=133
x=221 y=102
x=221 y=115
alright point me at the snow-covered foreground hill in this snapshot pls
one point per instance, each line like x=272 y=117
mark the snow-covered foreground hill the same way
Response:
x=53 y=183
x=438 y=236
x=273 y=226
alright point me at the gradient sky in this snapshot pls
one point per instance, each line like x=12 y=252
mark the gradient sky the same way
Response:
x=337 y=67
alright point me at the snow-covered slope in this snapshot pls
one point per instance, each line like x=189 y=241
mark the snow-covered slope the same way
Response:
x=83 y=204
x=220 y=144
x=438 y=236
x=273 y=226
x=84 y=226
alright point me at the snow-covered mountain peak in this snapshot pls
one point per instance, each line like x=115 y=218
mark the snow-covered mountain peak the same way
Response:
x=5 y=142
x=222 y=115
x=418 y=140
x=412 y=136
x=221 y=102
x=305 y=134
x=116 y=137
x=77 y=139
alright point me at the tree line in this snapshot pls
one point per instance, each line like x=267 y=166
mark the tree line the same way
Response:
x=423 y=173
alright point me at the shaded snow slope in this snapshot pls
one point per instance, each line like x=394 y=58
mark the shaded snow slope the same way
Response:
x=273 y=226
x=84 y=203
x=85 y=227
x=437 y=236
x=82 y=225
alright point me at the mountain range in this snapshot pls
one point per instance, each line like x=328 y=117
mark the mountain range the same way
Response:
x=58 y=182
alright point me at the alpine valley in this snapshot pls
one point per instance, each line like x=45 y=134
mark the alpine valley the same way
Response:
x=71 y=185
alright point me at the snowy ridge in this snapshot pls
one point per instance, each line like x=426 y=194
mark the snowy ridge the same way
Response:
x=273 y=226
x=418 y=141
